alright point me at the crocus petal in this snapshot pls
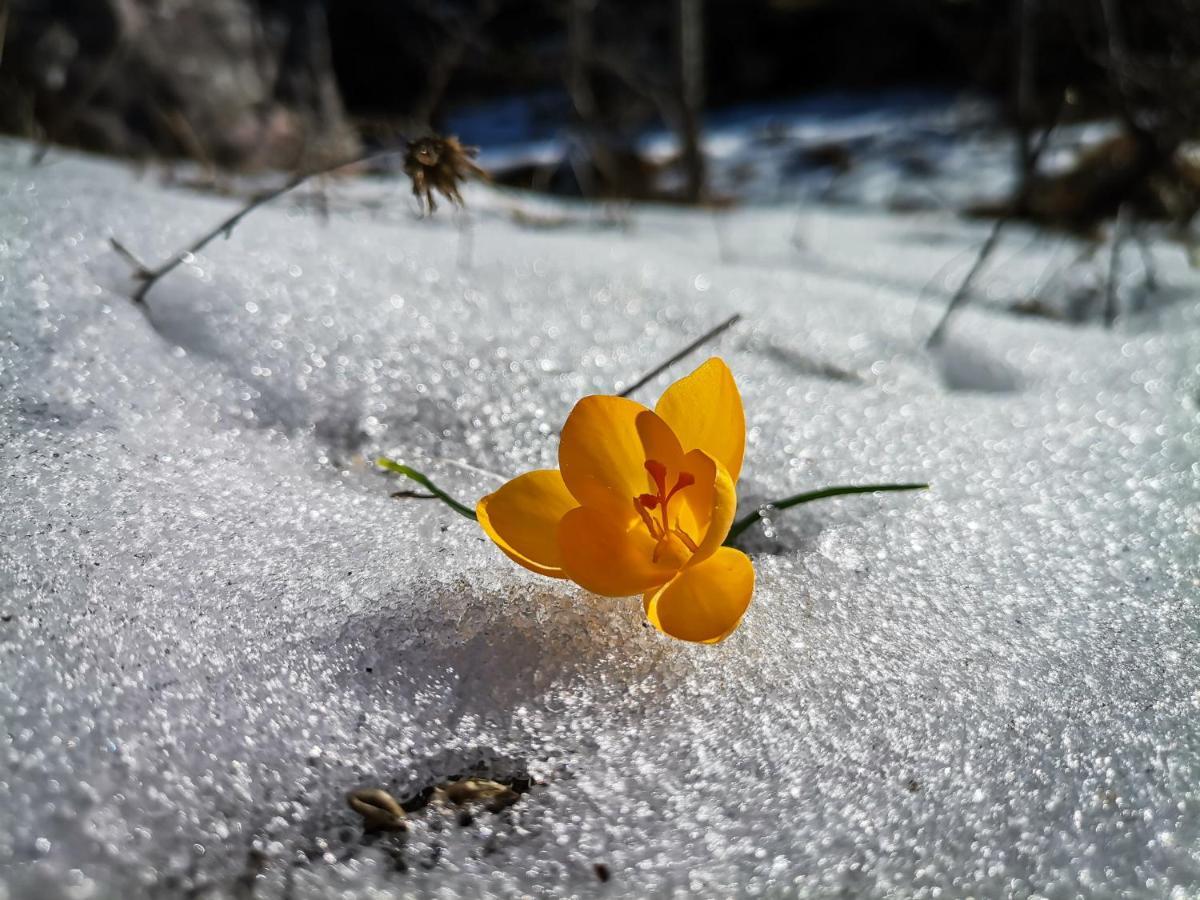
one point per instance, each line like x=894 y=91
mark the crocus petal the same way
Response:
x=522 y=517
x=712 y=502
x=601 y=454
x=704 y=410
x=704 y=603
x=659 y=443
x=613 y=557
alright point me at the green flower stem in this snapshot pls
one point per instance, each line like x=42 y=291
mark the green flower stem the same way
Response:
x=392 y=466
x=734 y=532
x=746 y=521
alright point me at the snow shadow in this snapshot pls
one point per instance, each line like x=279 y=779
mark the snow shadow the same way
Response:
x=968 y=368
x=500 y=652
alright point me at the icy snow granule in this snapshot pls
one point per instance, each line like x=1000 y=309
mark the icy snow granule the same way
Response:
x=215 y=622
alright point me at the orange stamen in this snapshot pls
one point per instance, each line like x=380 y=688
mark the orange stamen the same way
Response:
x=644 y=502
x=686 y=538
x=640 y=505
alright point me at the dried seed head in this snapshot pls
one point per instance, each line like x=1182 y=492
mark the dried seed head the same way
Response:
x=439 y=164
x=491 y=794
x=379 y=810
x=426 y=151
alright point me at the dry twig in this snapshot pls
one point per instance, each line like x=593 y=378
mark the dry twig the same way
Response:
x=104 y=70
x=989 y=245
x=1114 y=266
x=694 y=345
x=149 y=276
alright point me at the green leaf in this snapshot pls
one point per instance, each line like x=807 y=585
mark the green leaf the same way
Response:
x=392 y=466
x=795 y=500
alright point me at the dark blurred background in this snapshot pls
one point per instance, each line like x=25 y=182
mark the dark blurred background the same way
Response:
x=287 y=84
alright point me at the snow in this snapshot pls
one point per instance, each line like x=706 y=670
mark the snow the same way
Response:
x=215 y=621
x=910 y=148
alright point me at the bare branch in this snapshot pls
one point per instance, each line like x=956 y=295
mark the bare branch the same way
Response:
x=461 y=36
x=99 y=78
x=690 y=348
x=689 y=23
x=3 y=28
x=151 y=276
x=1015 y=208
x=140 y=270
x=960 y=295
x=1114 y=266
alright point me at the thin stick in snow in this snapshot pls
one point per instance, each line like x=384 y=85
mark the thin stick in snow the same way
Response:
x=1016 y=208
x=151 y=276
x=694 y=345
x=1114 y=268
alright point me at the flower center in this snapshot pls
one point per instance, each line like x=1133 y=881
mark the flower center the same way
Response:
x=663 y=529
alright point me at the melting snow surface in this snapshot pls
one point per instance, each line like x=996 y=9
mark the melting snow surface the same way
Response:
x=215 y=621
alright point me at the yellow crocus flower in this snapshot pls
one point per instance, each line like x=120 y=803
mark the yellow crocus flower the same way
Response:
x=641 y=503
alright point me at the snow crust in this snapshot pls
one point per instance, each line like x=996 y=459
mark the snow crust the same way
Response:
x=215 y=621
